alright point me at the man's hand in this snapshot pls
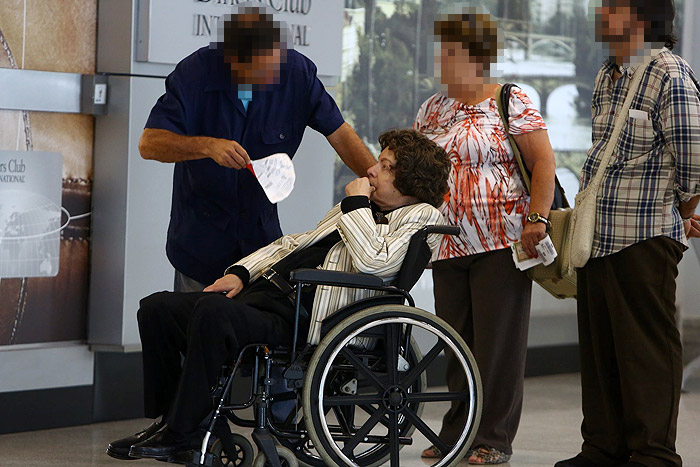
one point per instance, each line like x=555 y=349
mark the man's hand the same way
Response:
x=230 y=283
x=531 y=236
x=227 y=153
x=359 y=187
x=692 y=227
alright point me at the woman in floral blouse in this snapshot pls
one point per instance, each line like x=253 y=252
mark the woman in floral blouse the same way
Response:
x=478 y=289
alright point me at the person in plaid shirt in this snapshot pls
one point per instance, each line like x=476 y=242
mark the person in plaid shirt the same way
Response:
x=631 y=367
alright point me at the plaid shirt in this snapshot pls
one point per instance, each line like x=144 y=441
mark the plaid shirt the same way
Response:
x=656 y=161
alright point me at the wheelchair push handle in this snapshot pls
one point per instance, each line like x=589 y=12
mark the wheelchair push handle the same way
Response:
x=442 y=229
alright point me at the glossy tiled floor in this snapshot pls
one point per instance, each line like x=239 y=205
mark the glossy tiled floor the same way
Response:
x=548 y=432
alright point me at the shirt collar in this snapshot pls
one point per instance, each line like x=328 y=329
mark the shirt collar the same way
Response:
x=245 y=91
x=381 y=216
x=639 y=60
x=378 y=214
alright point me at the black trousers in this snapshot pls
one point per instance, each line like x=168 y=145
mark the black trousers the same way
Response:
x=486 y=299
x=631 y=366
x=209 y=330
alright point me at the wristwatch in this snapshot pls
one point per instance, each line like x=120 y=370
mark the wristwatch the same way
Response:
x=535 y=217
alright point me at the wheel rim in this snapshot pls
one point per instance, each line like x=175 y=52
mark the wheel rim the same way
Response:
x=391 y=400
x=235 y=459
x=238 y=457
x=286 y=457
x=305 y=451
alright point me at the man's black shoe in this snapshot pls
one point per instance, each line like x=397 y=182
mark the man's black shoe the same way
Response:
x=578 y=461
x=162 y=445
x=119 y=449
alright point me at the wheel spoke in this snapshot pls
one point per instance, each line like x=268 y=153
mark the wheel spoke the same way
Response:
x=394 y=439
x=370 y=411
x=362 y=368
x=340 y=416
x=330 y=401
x=421 y=366
x=438 y=396
x=393 y=335
x=425 y=430
x=362 y=432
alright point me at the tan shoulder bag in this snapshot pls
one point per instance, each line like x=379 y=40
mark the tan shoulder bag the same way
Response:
x=558 y=278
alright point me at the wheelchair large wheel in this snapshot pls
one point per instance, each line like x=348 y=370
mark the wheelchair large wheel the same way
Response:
x=371 y=454
x=386 y=406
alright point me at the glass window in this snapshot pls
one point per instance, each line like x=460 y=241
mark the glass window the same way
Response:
x=550 y=51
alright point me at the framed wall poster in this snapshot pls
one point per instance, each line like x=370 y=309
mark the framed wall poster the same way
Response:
x=45 y=301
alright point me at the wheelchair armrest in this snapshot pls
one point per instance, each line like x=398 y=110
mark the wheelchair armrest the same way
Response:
x=442 y=229
x=335 y=278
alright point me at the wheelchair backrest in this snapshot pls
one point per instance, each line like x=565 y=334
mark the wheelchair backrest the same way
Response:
x=419 y=254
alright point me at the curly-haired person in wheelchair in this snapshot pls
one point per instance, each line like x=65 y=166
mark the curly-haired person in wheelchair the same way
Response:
x=368 y=232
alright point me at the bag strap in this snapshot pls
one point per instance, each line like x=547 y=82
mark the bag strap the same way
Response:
x=503 y=100
x=619 y=122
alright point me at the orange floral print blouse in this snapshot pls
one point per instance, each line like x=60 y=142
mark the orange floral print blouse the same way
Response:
x=487 y=198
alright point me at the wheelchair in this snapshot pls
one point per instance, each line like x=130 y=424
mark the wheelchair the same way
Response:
x=357 y=397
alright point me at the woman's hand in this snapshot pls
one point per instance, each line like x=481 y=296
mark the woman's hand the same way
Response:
x=692 y=227
x=230 y=283
x=359 y=187
x=531 y=236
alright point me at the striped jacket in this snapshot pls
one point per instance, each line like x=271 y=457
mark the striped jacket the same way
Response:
x=366 y=247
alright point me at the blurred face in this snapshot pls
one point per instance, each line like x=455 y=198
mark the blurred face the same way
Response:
x=618 y=26
x=381 y=177
x=263 y=69
x=459 y=72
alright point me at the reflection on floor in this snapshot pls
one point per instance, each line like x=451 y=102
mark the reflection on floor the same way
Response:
x=549 y=431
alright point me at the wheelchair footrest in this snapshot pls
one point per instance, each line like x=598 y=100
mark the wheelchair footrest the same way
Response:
x=210 y=460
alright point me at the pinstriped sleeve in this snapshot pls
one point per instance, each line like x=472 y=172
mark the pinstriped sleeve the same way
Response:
x=261 y=260
x=382 y=255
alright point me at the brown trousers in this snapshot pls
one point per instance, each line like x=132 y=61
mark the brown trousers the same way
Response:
x=631 y=366
x=487 y=300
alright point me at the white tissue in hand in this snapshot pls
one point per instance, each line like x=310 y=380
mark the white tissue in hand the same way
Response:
x=276 y=175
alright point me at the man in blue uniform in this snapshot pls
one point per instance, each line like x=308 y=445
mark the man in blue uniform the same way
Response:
x=244 y=97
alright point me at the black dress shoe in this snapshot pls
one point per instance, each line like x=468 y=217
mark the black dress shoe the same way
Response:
x=119 y=449
x=162 y=445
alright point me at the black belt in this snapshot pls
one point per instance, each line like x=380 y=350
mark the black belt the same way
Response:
x=280 y=282
x=285 y=287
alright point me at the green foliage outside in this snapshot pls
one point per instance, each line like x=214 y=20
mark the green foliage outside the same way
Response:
x=392 y=84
